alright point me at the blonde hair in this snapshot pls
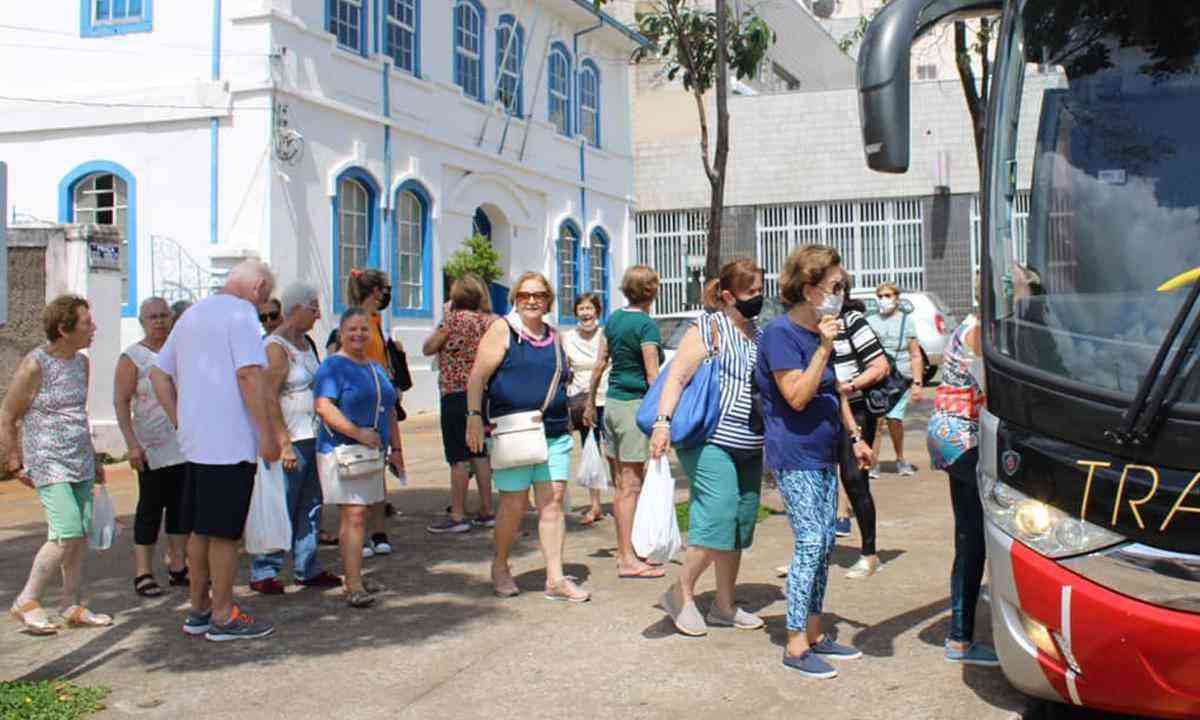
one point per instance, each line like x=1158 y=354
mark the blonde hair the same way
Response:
x=468 y=292
x=806 y=266
x=640 y=284
x=888 y=286
x=532 y=275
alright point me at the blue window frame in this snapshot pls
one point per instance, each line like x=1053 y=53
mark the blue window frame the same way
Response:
x=598 y=268
x=347 y=21
x=412 y=258
x=468 y=47
x=567 y=247
x=560 y=88
x=402 y=34
x=589 y=102
x=102 y=18
x=355 y=230
x=105 y=193
x=510 y=65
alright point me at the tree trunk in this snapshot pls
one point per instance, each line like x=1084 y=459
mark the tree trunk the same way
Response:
x=712 y=265
x=976 y=101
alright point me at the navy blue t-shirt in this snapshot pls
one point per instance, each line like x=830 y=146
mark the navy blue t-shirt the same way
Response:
x=806 y=440
x=350 y=386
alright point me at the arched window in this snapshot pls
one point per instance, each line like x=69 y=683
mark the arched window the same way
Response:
x=468 y=47
x=560 y=88
x=568 y=270
x=346 y=20
x=412 y=269
x=598 y=261
x=355 y=229
x=589 y=102
x=402 y=34
x=104 y=193
x=510 y=64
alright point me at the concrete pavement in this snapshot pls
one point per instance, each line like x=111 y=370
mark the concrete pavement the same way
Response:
x=439 y=644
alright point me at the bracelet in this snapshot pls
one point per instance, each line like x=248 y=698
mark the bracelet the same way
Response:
x=662 y=424
x=856 y=439
x=663 y=419
x=474 y=413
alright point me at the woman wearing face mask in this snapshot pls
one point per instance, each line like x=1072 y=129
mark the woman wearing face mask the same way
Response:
x=725 y=473
x=805 y=416
x=583 y=345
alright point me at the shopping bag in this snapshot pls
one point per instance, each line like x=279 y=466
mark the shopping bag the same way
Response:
x=655 y=529
x=104 y=521
x=268 y=525
x=593 y=471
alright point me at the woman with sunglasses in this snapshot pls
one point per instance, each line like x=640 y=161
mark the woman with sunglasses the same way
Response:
x=519 y=361
x=270 y=314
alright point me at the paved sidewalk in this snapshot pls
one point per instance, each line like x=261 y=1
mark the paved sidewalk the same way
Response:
x=439 y=644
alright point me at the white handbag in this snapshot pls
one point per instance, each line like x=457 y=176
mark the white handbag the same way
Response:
x=519 y=439
x=358 y=460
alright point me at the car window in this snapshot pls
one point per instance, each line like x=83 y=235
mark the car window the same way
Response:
x=673 y=329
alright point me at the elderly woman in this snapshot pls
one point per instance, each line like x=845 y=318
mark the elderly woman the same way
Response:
x=153 y=451
x=805 y=416
x=270 y=314
x=53 y=454
x=355 y=403
x=632 y=352
x=725 y=472
x=291 y=368
x=521 y=363
x=582 y=345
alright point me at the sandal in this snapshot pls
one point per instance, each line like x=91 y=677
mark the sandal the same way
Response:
x=590 y=518
x=147 y=586
x=566 y=591
x=80 y=616
x=33 y=616
x=506 y=589
x=327 y=539
x=372 y=586
x=359 y=599
x=179 y=578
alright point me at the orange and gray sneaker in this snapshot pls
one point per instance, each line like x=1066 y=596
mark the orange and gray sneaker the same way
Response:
x=241 y=626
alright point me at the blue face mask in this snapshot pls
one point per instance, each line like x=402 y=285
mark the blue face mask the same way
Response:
x=831 y=305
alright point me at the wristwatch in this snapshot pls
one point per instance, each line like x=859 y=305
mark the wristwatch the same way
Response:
x=474 y=413
x=663 y=419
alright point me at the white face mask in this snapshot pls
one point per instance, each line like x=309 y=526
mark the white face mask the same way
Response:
x=588 y=325
x=887 y=305
x=831 y=305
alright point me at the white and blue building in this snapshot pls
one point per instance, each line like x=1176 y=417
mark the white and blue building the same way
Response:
x=323 y=135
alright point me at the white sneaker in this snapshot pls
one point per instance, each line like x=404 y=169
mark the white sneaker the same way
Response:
x=781 y=571
x=905 y=468
x=368 y=551
x=864 y=568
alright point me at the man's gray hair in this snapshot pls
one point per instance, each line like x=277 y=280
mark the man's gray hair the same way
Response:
x=250 y=271
x=297 y=295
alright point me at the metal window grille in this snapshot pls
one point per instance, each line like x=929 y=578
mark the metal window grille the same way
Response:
x=560 y=98
x=664 y=240
x=117 y=12
x=409 y=252
x=589 y=105
x=508 y=60
x=353 y=228
x=345 y=22
x=102 y=199
x=468 y=33
x=599 y=263
x=402 y=33
x=1020 y=229
x=568 y=271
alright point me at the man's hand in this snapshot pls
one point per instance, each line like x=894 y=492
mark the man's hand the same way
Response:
x=288 y=457
x=268 y=447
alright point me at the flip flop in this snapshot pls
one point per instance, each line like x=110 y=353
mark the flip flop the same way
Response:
x=590 y=519
x=646 y=572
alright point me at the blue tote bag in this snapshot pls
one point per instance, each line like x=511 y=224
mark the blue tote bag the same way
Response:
x=699 y=408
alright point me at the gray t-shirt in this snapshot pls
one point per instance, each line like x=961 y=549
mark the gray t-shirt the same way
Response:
x=888 y=329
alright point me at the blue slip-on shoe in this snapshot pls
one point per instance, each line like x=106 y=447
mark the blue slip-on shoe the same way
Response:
x=449 y=526
x=197 y=623
x=837 y=651
x=240 y=627
x=810 y=665
x=975 y=654
x=842 y=527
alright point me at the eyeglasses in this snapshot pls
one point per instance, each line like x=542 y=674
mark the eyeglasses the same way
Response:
x=271 y=316
x=538 y=297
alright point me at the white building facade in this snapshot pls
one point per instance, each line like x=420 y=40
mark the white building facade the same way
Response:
x=323 y=135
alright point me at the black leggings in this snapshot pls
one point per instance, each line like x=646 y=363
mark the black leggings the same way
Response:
x=857 y=482
x=159 y=491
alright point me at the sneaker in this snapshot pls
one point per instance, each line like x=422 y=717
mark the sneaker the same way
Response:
x=864 y=568
x=782 y=571
x=197 y=623
x=830 y=649
x=240 y=627
x=842 y=527
x=975 y=654
x=810 y=665
x=905 y=468
x=323 y=579
x=449 y=525
x=379 y=541
x=487 y=521
x=368 y=551
x=267 y=586
x=873 y=473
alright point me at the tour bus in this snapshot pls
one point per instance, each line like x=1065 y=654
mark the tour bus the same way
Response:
x=1089 y=468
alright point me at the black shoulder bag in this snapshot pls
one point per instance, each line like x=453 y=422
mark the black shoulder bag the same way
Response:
x=881 y=397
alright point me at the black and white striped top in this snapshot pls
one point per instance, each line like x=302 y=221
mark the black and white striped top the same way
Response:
x=856 y=338
x=738 y=355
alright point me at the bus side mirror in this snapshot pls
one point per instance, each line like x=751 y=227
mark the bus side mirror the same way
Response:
x=884 y=74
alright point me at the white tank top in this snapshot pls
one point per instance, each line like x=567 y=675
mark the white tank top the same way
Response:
x=151 y=426
x=296 y=399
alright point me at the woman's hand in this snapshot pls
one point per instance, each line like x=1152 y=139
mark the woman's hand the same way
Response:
x=847 y=388
x=137 y=457
x=395 y=458
x=864 y=454
x=368 y=437
x=288 y=457
x=660 y=441
x=589 y=415
x=830 y=326
x=475 y=434
x=101 y=478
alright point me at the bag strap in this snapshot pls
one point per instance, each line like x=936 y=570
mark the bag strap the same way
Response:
x=903 y=320
x=557 y=373
x=378 y=398
x=713 y=343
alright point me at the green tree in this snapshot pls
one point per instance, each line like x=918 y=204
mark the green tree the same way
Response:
x=476 y=256
x=699 y=47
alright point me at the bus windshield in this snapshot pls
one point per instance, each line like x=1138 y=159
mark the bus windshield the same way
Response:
x=1094 y=203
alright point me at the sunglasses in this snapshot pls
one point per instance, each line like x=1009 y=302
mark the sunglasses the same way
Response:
x=540 y=297
x=837 y=288
x=272 y=316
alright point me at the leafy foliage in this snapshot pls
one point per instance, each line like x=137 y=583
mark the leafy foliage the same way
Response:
x=478 y=257
x=686 y=39
x=49 y=700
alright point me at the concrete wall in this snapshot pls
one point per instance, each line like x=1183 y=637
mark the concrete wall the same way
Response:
x=26 y=298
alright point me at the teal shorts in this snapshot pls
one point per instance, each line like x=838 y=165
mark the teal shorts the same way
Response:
x=68 y=509
x=556 y=469
x=725 y=489
x=897 y=413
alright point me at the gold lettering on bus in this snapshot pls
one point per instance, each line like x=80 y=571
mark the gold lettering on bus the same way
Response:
x=1179 y=506
x=1091 y=465
x=1133 y=504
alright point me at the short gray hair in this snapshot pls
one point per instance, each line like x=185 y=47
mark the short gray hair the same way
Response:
x=151 y=301
x=296 y=295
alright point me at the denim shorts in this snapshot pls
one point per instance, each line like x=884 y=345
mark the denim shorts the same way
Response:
x=556 y=469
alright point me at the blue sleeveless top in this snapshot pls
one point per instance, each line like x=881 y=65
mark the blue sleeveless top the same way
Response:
x=523 y=378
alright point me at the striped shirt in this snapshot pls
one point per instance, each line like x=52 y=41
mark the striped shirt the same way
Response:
x=854 y=349
x=738 y=355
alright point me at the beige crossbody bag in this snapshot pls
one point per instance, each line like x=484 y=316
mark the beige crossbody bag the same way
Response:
x=519 y=439
x=358 y=460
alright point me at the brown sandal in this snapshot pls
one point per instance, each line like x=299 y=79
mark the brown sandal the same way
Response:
x=80 y=616
x=33 y=616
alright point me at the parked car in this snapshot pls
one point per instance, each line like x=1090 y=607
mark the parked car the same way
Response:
x=933 y=321
x=672 y=328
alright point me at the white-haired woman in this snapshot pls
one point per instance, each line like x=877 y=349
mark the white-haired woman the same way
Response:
x=291 y=366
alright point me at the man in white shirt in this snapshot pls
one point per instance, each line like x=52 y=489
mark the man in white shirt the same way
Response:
x=209 y=380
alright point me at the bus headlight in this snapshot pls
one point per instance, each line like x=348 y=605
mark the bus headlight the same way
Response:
x=1044 y=528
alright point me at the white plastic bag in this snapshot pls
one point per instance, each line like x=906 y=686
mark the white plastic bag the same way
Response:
x=592 y=472
x=655 y=529
x=104 y=521
x=268 y=525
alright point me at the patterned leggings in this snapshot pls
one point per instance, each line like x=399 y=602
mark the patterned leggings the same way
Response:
x=811 y=499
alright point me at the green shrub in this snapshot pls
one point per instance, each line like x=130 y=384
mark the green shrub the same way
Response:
x=49 y=700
